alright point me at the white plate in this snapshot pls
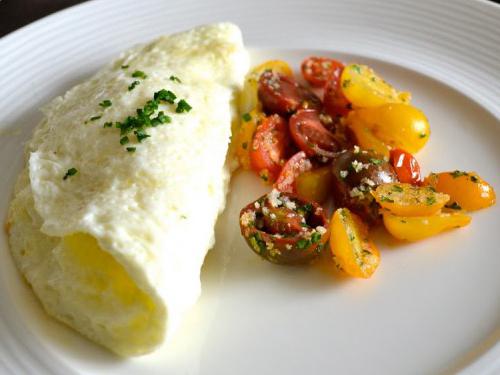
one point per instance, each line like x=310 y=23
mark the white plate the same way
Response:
x=432 y=307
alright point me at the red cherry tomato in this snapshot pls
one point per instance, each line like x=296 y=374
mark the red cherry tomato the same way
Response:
x=334 y=101
x=296 y=165
x=283 y=95
x=406 y=166
x=310 y=135
x=318 y=70
x=282 y=220
x=270 y=147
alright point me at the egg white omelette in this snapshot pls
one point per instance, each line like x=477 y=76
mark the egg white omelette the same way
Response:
x=115 y=209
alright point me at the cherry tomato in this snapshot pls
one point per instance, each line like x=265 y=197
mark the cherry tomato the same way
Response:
x=315 y=185
x=296 y=165
x=318 y=70
x=284 y=229
x=334 y=101
x=270 y=147
x=283 y=95
x=406 y=166
x=310 y=135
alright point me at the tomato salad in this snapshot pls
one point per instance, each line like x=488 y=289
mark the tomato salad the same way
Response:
x=346 y=137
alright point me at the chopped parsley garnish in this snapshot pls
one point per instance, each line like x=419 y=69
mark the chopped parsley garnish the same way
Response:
x=356 y=68
x=315 y=237
x=105 y=103
x=130 y=149
x=246 y=117
x=383 y=198
x=423 y=135
x=430 y=201
x=397 y=188
x=124 y=66
x=107 y=125
x=175 y=79
x=454 y=206
x=346 y=83
x=302 y=244
x=139 y=74
x=456 y=174
x=474 y=179
x=183 y=106
x=376 y=161
x=70 y=172
x=94 y=118
x=141 y=135
x=244 y=145
x=133 y=85
x=124 y=140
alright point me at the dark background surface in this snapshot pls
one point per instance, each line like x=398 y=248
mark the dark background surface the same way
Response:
x=17 y=13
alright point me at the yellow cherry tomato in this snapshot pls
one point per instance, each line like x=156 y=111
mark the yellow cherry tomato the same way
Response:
x=364 y=88
x=466 y=189
x=244 y=136
x=315 y=185
x=249 y=98
x=394 y=125
x=414 y=228
x=409 y=200
x=353 y=252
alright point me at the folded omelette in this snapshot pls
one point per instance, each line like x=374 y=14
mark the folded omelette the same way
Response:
x=115 y=209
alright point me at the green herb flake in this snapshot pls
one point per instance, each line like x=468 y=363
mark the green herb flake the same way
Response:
x=124 y=140
x=376 y=161
x=397 y=188
x=403 y=221
x=474 y=179
x=457 y=173
x=356 y=68
x=133 y=85
x=105 y=103
x=346 y=83
x=244 y=145
x=422 y=135
x=131 y=149
x=94 y=118
x=124 y=66
x=183 y=106
x=315 y=237
x=139 y=74
x=175 y=79
x=246 y=117
x=70 y=172
x=141 y=135
x=383 y=198
x=302 y=244
x=454 y=206
x=107 y=125
x=430 y=201
x=165 y=96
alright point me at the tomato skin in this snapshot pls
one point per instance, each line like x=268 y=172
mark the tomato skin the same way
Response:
x=269 y=147
x=296 y=165
x=406 y=166
x=283 y=95
x=334 y=101
x=310 y=135
x=318 y=70
x=315 y=185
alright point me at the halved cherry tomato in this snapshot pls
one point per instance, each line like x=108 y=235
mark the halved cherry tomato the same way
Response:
x=350 y=246
x=243 y=139
x=296 y=165
x=283 y=95
x=315 y=185
x=466 y=189
x=284 y=229
x=409 y=200
x=414 y=228
x=269 y=147
x=310 y=135
x=334 y=101
x=393 y=125
x=249 y=99
x=406 y=166
x=318 y=70
x=364 y=88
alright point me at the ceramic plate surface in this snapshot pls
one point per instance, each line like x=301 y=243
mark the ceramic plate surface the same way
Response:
x=432 y=307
